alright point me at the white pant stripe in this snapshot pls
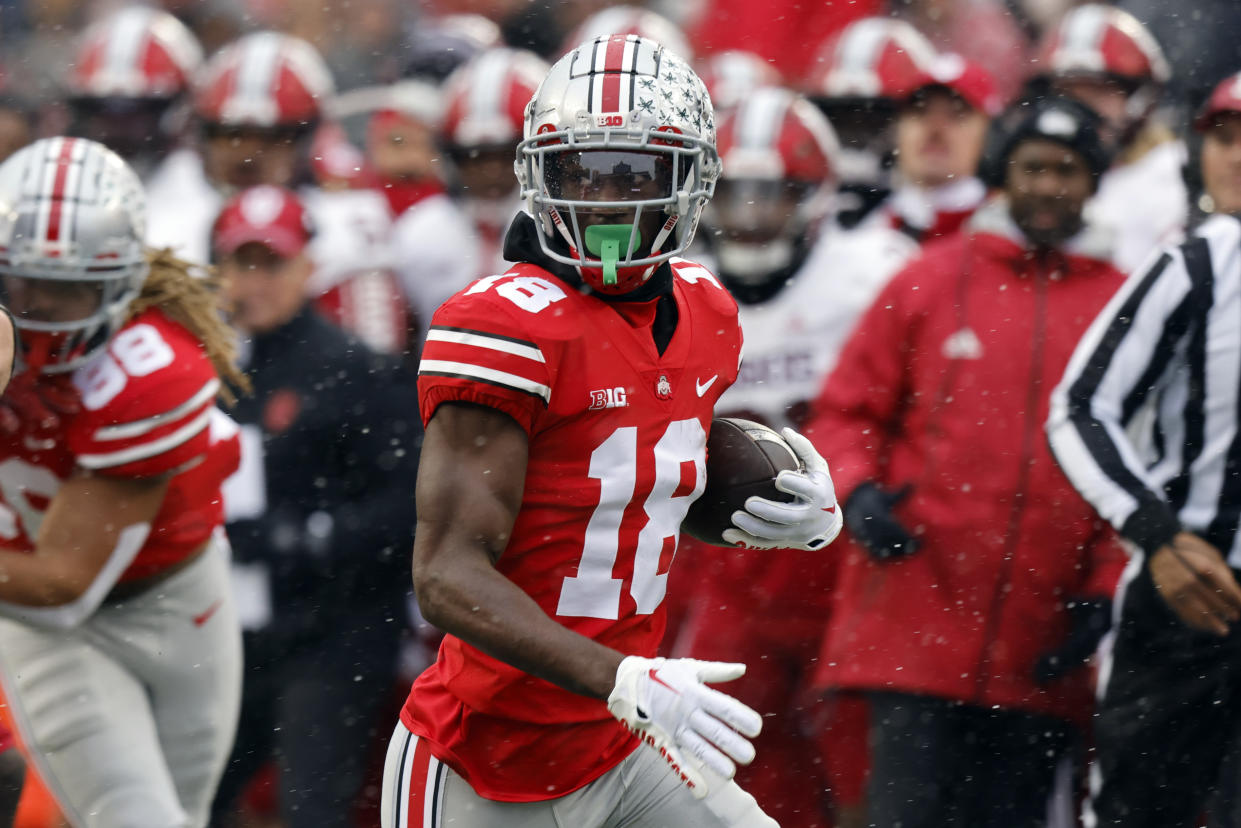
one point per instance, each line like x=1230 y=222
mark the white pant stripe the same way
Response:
x=402 y=774
x=432 y=800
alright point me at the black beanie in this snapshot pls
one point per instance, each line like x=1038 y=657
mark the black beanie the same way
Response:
x=1059 y=119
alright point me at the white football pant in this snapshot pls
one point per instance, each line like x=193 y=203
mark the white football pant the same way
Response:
x=130 y=717
x=420 y=791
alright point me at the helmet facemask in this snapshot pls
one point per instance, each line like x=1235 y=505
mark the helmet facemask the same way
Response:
x=621 y=201
x=51 y=343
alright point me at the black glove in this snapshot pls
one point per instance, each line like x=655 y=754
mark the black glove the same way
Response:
x=1089 y=621
x=868 y=515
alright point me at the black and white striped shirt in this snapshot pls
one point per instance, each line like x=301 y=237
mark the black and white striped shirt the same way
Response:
x=1145 y=421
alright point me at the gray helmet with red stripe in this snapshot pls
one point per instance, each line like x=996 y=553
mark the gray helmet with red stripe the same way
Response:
x=71 y=212
x=624 y=101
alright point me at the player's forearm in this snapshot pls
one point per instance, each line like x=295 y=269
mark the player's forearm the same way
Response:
x=476 y=603
x=38 y=580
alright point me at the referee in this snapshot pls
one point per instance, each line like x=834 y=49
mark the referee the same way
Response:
x=1147 y=425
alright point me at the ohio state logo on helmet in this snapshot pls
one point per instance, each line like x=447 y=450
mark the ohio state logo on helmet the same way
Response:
x=618 y=159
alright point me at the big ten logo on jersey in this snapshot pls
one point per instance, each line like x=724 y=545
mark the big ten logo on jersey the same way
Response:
x=608 y=398
x=134 y=352
x=530 y=293
x=626 y=544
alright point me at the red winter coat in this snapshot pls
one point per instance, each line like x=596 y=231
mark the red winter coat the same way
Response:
x=944 y=386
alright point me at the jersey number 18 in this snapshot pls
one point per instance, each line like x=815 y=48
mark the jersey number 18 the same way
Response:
x=595 y=592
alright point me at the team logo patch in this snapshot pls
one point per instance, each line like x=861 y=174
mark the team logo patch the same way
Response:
x=663 y=388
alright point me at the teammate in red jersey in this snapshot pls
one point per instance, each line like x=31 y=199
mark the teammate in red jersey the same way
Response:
x=119 y=648
x=567 y=404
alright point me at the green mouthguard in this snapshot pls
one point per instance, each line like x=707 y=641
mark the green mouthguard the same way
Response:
x=605 y=241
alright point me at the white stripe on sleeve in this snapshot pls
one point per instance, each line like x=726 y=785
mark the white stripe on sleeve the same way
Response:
x=488 y=375
x=493 y=343
x=145 y=450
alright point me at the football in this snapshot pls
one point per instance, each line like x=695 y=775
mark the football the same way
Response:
x=743 y=459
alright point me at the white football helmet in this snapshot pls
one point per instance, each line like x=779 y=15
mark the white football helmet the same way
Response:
x=264 y=79
x=618 y=159
x=135 y=53
x=72 y=223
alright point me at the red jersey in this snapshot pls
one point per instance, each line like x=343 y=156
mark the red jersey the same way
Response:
x=147 y=408
x=617 y=452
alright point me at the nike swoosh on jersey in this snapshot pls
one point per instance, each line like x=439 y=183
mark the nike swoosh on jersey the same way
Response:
x=701 y=387
x=199 y=620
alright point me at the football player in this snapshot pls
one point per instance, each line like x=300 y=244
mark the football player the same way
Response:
x=861 y=76
x=119 y=648
x=130 y=75
x=484 y=104
x=567 y=404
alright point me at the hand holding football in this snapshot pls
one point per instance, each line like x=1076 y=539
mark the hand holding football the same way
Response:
x=743 y=459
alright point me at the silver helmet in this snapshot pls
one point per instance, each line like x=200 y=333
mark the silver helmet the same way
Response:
x=618 y=159
x=72 y=222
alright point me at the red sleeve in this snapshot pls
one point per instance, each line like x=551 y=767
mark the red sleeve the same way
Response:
x=475 y=352
x=146 y=402
x=1108 y=559
x=853 y=419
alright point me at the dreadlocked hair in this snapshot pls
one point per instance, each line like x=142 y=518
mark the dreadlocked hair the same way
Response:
x=188 y=294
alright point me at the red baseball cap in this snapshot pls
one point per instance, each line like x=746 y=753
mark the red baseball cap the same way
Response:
x=1225 y=99
x=272 y=216
x=964 y=77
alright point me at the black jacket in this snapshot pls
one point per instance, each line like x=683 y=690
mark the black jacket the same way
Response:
x=340 y=436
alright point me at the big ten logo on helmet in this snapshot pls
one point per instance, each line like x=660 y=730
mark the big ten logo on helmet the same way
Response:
x=616 y=119
x=608 y=398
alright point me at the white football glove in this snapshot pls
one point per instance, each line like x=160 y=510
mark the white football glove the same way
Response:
x=811 y=521
x=666 y=703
